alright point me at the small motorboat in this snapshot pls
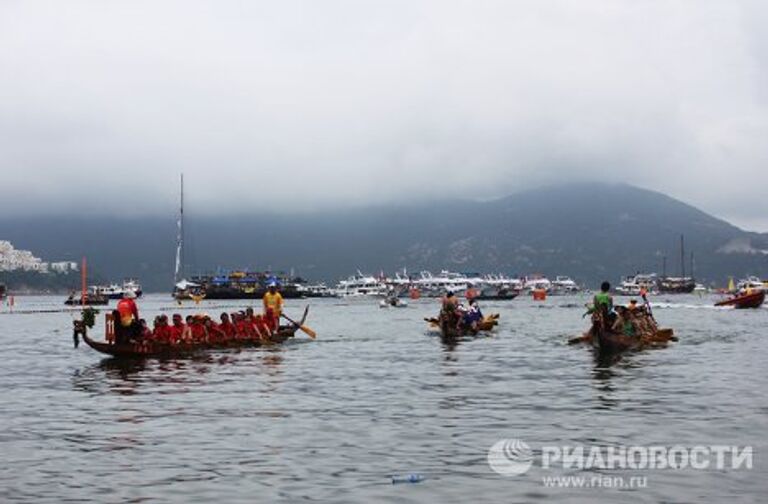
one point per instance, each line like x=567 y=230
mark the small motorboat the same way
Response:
x=393 y=302
x=88 y=300
x=752 y=299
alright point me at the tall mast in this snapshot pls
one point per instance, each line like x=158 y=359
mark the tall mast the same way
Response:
x=682 y=256
x=180 y=238
x=693 y=275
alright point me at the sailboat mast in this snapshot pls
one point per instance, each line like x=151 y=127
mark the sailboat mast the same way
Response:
x=682 y=256
x=180 y=237
x=693 y=275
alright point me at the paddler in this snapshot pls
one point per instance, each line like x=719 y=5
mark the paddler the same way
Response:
x=177 y=330
x=227 y=327
x=624 y=323
x=162 y=331
x=450 y=303
x=129 y=317
x=273 y=305
x=603 y=304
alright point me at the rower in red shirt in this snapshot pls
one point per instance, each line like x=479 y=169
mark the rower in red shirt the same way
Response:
x=161 y=332
x=199 y=334
x=241 y=329
x=215 y=333
x=227 y=327
x=176 y=331
x=262 y=326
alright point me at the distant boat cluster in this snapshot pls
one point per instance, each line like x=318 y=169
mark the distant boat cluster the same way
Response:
x=426 y=284
x=253 y=285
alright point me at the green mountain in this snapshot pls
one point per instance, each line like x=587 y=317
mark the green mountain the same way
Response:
x=588 y=231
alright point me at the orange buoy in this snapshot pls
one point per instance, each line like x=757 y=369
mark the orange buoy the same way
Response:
x=539 y=295
x=414 y=293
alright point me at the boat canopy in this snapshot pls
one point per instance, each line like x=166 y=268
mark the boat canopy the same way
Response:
x=185 y=284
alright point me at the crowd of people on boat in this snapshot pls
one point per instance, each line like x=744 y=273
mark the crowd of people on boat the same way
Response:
x=630 y=320
x=462 y=315
x=243 y=325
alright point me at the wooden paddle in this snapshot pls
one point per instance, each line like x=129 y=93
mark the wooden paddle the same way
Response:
x=648 y=305
x=580 y=339
x=307 y=330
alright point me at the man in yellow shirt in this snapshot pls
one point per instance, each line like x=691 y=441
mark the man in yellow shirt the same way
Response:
x=273 y=305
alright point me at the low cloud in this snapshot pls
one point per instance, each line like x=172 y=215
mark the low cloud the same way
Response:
x=300 y=105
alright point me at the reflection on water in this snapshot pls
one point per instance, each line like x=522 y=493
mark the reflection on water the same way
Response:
x=333 y=419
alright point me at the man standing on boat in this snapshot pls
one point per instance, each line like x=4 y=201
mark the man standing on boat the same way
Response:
x=273 y=305
x=129 y=316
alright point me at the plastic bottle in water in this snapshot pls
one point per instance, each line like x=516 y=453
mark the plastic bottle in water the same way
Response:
x=408 y=478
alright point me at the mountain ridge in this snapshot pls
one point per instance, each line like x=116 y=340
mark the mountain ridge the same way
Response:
x=589 y=231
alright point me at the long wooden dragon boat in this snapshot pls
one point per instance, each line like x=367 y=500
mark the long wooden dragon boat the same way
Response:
x=450 y=329
x=146 y=349
x=606 y=341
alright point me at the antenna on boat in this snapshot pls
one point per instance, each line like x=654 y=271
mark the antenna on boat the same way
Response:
x=180 y=237
x=83 y=282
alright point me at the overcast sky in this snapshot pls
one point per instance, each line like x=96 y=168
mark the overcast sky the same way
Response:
x=287 y=104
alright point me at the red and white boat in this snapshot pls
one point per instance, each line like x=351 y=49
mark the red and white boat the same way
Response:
x=752 y=299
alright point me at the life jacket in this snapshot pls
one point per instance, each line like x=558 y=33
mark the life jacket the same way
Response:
x=198 y=332
x=161 y=334
x=215 y=333
x=176 y=332
x=273 y=302
x=241 y=327
x=154 y=334
x=229 y=330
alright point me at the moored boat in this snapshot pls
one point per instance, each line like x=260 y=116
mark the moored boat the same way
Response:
x=635 y=285
x=753 y=299
x=116 y=291
x=677 y=285
x=90 y=299
x=564 y=285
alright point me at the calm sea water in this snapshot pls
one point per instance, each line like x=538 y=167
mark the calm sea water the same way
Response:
x=377 y=395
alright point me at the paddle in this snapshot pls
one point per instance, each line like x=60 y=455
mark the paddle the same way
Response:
x=307 y=330
x=648 y=305
x=579 y=339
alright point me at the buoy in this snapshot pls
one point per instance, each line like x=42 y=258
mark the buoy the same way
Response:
x=539 y=295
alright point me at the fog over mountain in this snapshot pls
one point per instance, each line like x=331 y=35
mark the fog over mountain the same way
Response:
x=589 y=231
x=303 y=105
